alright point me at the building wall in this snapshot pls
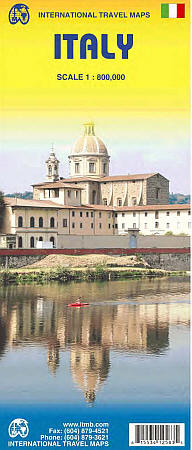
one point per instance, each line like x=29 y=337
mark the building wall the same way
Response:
x=117 y=242
x=119 y=192
x=92 y=222
x=36 y=193
x=91 y=187
x=138 y=192
x=66 y=222
x=161 y=183
x=154 y=222
x=67 y=196
x=83 y=160
x=127 y=191
x=80 y=225
x=7 y=220
x=81 y=221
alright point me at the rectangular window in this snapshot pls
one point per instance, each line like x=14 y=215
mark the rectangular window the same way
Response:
x=64 y=223
x=56 y=192
x=91 y=167
x=73 y=213
x=189 y=212
x=104 y=167
x=123 y=214
x=81 y=225
x=119 y=202
x=81 y=214
x=105 y=201
x=167 y=213
x=116 y=226
x=134 y=225
x=156 y=224
x=178 y=213
x=91 y=224
x=73 y=224
x=69 y=193
x=145 y=214
x=134 y=214
x=92 y=214
x=115 y=214
x=156 y=214
x=168 y=225
x=77 y=168
x=100 y=225
x=87 y=214
x=123 y=225
x=99 y=214
x=157 y=193
x=76 y=193
x=109 y=225
x=134 y=201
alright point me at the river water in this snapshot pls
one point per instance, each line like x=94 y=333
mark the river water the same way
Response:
x=131 y=344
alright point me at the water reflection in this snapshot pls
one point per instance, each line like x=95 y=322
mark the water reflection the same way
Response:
x=138 y=323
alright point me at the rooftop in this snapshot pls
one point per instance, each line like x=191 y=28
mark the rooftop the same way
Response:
x=57 y=184
x=65 y=182
x=19 y=202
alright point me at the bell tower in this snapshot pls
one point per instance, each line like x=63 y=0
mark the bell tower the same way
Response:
x=52 y=167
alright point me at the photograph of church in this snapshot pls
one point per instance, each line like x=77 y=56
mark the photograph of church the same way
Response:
x=91 y=202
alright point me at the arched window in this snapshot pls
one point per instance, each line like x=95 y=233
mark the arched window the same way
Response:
x=20 y=221
x=52 y=222
x=32 y=222
x=40 y=238
x=40 y=222
x=50 y=170
x=105 y=201
x=52 y=239
x=20 y=242
x=32 y=242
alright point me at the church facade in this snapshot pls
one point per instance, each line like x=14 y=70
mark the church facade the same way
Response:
x=91 y=202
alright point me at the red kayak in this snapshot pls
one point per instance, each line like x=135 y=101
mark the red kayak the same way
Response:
x=77 y=304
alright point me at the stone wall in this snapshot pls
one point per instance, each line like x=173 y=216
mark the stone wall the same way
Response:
x=168 y=261
x=157 y=181
x=8 y=261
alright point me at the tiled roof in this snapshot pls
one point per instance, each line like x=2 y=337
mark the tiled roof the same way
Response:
x=12 y=201
x=19 y=202
x=65 y=181
x=137 y=176
x=168 y=207
x=56 y=185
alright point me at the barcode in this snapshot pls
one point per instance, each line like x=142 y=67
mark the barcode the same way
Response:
x=157 y=434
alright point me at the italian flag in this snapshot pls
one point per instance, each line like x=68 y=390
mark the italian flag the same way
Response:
x=172 y=10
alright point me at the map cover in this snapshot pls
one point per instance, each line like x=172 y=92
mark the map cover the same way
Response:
x=94 y=242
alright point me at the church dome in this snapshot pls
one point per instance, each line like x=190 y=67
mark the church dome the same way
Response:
x=89 y=143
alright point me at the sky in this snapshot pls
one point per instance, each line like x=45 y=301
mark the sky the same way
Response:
x=143 y=120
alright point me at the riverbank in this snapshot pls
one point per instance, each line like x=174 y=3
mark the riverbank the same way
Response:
x=66 y=274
